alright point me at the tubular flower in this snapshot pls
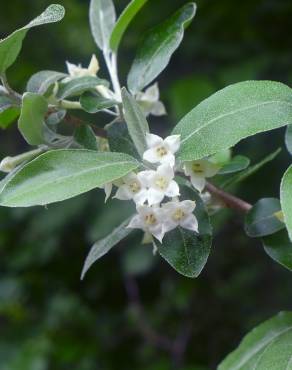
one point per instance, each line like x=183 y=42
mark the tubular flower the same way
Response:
x=161 y=184
x=199 y=171
x=76 y=71
x=161 y=151
x=134 y=187
x=149 y=219
x=180 y=214
x=149 y=101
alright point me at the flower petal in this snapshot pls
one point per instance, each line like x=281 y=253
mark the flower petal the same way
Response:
x=173 y=143
x=151 y=156
x=166 y=171
x=153 y=140
x=168 y=159
x=93 y=67
x=141 y=197
x=211 y=169
x=124 y=193
x=155 y=196
x=152 y=93
x=190 y=223
x=108 y=190
x=169 y=224
x=198 y=182
x=158 y=232
x=158 y=109
x=188 y=206
x=172 y=190
x=144 y=177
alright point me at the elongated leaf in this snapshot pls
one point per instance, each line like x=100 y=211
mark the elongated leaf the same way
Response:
x=78 y=85
x=102 y=18
x=84 y=136
x=40 y=82
x=251 y=170
x=120 y=140
x=102 y=247
x=62 y=174
x=157 y=47
x=286 y=199
x=233 y=114
x=267 y=347
x=279 y=247
x=288 y=139
x=31 y=120
x=9 y=111
x=123 y=22
x=237 y=163
x=136 y=122
x=184 y=250
x=262 y=219
x=10 y=47
x=93 y=103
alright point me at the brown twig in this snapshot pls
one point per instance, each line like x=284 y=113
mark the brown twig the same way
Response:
x=229 y=200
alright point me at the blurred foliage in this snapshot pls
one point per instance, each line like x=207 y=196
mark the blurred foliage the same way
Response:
x=51 y=320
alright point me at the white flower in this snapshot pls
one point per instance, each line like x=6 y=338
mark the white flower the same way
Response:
x=108 y=188
x=149 y=101
x=134 y=187
x=161 y=184
x=161 y=151
x=199 y=171
x=180 y=214
x=149 y=219
x=76 y=71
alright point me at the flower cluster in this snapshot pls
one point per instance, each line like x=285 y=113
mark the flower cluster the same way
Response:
x=155 y=191
x=148 y=100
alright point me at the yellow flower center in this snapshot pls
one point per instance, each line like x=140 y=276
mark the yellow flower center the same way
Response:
x=135 y=187
x=150 y=219
x=197 y=168
x=178 y=215
x=161 y=183
x=161 y=151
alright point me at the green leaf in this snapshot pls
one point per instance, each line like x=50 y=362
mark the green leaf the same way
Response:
x=9 y=111
x=120 y=140
x=40 y=82
x=157 y=47
x=102 y=247
x=236 y=164
x=31 y=120
x=262 y=219
x=251 y=170
x=62 y=174
x=136 y=121
x=85 y=136
x=186 y=251
x=123 y=22
x=102 y=18
x=279 y=247
x=288 y=139
x=233 y=114
x=93 y=103
x=267 y=347
x=286 y=199
x=10 y=47
x=77 y=86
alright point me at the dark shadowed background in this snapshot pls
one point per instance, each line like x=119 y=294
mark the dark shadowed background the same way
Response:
x=123 y=315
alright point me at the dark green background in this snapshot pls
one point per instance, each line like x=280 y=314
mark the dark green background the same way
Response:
x=51 y=320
